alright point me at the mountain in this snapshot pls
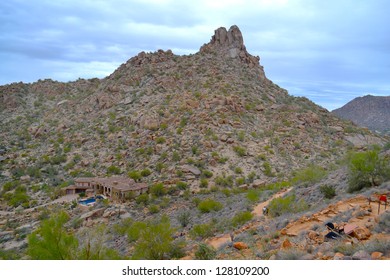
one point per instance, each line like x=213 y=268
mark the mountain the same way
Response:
x=368 y=111
x=208 y=127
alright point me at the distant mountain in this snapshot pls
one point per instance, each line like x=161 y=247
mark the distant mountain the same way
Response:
x=369 y=111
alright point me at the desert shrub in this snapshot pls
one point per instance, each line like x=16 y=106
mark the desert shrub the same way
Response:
x=346 y=249
x=202 y=231
x=10 y=186
x=253 y=195
x=367 y=169
x=181 y=185
x=135 y=175
x=160 y=140
x=377 y=245
x=145 y=172
x=238 y=170
x=160 y=166
x=204 y=183
x=310 y=175
x=113 y=170
x=240 y=151
x=290 y=254
x=205 y=252
x=241 y=218
x=153 y=209
x=142 y=199
x=268 y=169
x=384 y=223
x=158 y=189
x=207 y=174
x=184 y=218
x=223 y=181
x=209 y=205
x=240 y=181
x=18 y=197
x=328 y=191
x=287 y=204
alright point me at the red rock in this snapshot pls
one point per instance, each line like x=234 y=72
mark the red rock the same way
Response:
x=286 y=244
x=376 y=255
x=240 y=245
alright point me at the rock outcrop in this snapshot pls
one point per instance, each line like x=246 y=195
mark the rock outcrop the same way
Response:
x=230 y=43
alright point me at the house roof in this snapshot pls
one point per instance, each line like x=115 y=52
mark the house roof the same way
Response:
x=117 y=182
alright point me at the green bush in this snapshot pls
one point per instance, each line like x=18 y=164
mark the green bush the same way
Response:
x=223 y=181
x=153 y=209
x=204 y=183
x=142 y=199
x=135 y=175
x=202 y=231
x=367 y=169
x=158 y=189
x=205 y=252
x=181 y=185
x=241 y=218
x=184 y=218
x=209 y=205
x=240 y=181
x=155 y=241
x=328 y=191
x=207 y=174
x=310 y=175
x=240 y=151
x=253 y=195
x=268 y=169
x=287 y=204
x=145 y=172
x=113 y=170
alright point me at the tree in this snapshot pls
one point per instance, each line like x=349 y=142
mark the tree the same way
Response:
x=92 y=247
x=155 y=241
x=51 y=241
x=367 y=169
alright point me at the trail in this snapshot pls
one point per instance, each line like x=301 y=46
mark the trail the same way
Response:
x=218 y=241
x=65 y=198
x=362 y=214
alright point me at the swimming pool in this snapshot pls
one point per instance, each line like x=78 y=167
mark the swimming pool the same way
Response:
x=89 y=201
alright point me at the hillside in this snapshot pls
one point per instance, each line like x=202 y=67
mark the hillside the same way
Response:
x=204 y=127
x=368 y=111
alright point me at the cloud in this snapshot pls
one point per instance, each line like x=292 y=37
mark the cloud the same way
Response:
x=302 y=43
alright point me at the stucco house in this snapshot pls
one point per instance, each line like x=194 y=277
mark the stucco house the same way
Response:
x=116 y=188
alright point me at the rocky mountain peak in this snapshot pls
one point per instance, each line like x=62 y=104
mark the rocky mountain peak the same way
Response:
x=230 y=43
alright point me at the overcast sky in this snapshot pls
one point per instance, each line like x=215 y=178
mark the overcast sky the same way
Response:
x=329 y=51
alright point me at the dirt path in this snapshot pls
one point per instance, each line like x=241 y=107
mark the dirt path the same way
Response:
x=362 y=214
x=218 y=241
x=65 y=198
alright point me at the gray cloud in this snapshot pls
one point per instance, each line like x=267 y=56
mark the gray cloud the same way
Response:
x=329 y=51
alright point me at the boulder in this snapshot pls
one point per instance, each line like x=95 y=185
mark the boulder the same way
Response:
x=190 y=169
x=376 y=255
x=240 y=245
x=93 y=213
x=361 y=233
x=361 y=255
x=286 y=244
x=338 y=256
x=258 y=183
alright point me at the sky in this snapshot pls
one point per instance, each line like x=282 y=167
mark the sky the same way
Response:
x=328 y=51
